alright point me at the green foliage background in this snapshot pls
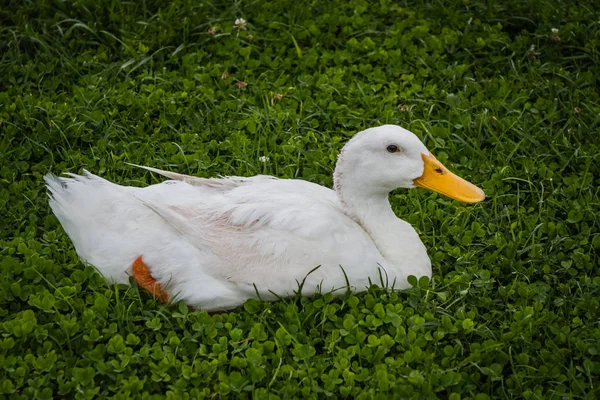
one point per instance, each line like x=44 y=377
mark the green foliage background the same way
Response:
x=513 y=308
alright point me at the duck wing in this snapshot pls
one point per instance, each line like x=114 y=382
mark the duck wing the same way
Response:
x=269 y=232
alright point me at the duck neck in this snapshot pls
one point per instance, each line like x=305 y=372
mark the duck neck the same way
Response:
x=397 y=241
x=366 y=201
x=373 y=212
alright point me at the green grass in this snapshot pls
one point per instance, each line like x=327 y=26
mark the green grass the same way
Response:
x=513 y=307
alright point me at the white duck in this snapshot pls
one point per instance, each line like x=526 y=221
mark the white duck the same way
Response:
x=214 y=242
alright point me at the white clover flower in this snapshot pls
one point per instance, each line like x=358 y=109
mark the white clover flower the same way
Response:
x=240 y=24
x=263 y=159
x=532 y=52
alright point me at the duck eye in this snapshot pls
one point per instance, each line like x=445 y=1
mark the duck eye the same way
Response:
x=392 y=148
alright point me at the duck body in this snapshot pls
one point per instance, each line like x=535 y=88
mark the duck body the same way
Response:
x=215 y=243
x=209 y=244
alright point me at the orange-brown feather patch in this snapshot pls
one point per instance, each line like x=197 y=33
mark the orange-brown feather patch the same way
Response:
x=143 y=277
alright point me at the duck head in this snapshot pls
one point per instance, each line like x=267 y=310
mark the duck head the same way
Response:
x=379 y=160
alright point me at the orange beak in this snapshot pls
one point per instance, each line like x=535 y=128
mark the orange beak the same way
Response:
x=438 y=178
